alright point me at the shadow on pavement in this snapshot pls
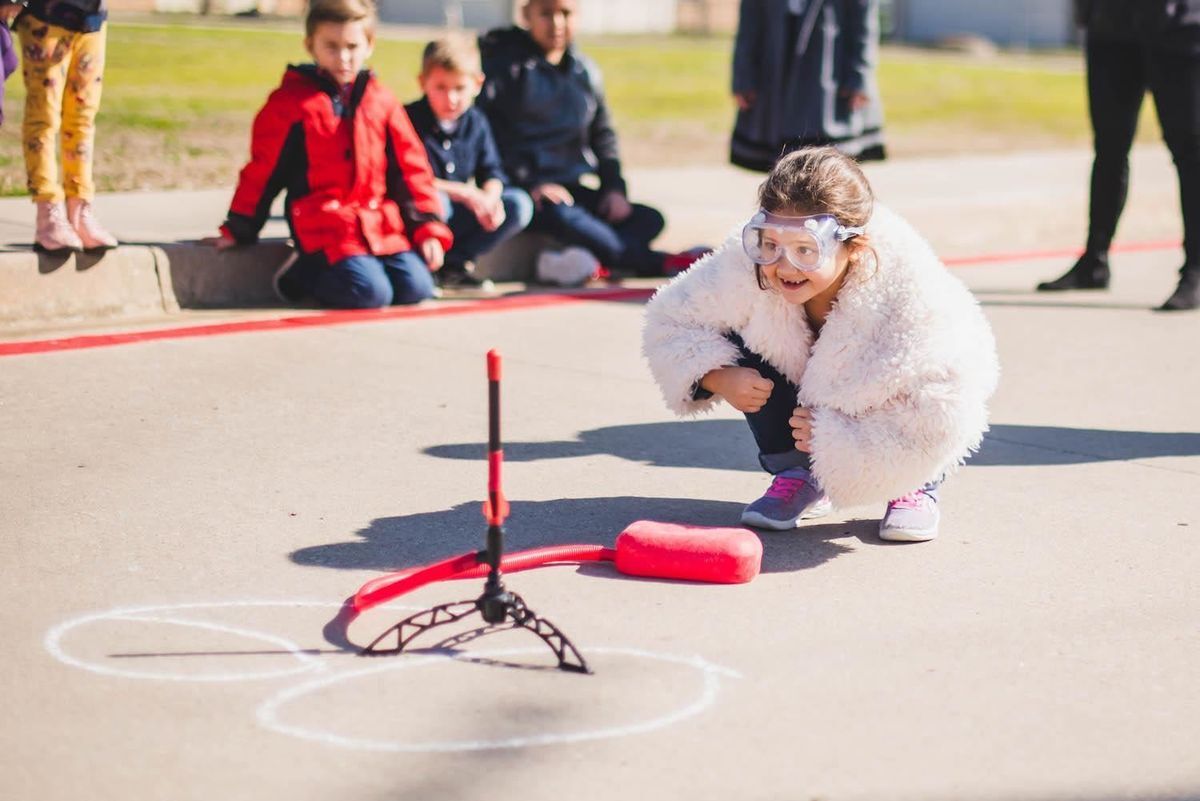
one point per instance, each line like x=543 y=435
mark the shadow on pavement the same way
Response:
x=391 y=543
x=727 y=445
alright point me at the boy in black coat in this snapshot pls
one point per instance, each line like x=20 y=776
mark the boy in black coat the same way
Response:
x=546 y=105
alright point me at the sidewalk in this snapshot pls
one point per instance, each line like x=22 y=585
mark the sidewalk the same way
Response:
x=967 y=205
x=182 y=518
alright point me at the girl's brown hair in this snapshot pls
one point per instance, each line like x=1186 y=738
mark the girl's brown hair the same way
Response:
x=818 y=180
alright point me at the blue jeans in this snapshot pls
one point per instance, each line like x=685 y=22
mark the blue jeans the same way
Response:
x=470 y=240
x=624 y=246
x=364 y=282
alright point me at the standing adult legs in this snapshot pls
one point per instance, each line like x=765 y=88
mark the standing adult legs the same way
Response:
x=1175 y=83
x=1117 y=83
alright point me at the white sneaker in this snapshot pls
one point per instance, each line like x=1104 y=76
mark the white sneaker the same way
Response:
x=570 y=267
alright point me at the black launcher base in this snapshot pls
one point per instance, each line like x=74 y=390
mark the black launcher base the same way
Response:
x=495 y=608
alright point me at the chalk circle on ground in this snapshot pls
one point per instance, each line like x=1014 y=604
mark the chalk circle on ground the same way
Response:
x=530 y=713
x=300 y=661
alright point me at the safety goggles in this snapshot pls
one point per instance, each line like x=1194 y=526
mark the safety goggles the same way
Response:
x=805 y=241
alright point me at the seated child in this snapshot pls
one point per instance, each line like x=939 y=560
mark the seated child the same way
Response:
x=546 y=105
x=360 y=194
x=458 y=141
x=862 y=365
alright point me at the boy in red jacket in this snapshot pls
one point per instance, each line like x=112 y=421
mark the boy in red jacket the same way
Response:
x=360 y=201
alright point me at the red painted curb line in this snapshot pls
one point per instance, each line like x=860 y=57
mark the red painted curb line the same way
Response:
x=33 y=346
x=341 y=317
x=1061 y=253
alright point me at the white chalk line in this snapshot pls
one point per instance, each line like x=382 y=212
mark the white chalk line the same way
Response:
x=268 y=712
x=147 y=614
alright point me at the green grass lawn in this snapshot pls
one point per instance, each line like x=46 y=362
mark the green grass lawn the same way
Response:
x=179 y=99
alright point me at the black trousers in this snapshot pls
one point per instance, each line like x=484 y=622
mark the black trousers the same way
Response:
x=772 y=431
x=1118 y=76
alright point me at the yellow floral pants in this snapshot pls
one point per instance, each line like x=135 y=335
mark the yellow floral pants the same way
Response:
x=62 y=70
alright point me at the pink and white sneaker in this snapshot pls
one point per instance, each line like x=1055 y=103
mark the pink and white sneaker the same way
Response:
x=54 y=232
x=911 y=518
x=83 y=220
x=793 y=496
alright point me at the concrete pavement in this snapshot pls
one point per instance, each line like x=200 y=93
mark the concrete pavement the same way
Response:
x=181 y=521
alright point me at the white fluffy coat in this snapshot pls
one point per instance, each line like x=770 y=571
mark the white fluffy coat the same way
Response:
x=898 y=380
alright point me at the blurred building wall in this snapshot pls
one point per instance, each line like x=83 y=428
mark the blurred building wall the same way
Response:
x=1008 y=23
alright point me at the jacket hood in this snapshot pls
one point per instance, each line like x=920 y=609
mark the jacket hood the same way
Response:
x=512 y=43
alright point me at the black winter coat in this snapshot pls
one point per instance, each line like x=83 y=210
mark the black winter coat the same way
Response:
x=550 y=121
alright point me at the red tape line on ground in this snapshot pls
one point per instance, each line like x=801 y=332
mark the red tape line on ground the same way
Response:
x=319 y=319
x=514 y=302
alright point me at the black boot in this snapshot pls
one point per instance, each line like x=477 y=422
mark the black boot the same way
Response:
x=1090 y=272
x=1187 y=294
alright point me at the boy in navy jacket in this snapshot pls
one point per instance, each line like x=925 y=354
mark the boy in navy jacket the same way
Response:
x=481 y=210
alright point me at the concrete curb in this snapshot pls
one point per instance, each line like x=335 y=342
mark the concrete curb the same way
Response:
x=44 y=286
x=149 y=279
x=138 y=279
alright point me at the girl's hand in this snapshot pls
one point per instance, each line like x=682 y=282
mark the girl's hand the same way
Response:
x=743 y=388
x=745 y=100
x=801 y=423
x=433 y=253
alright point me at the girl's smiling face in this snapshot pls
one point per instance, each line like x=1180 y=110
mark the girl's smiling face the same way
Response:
x=797 y=286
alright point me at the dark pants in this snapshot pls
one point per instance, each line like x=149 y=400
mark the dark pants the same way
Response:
x=624 y=246
x=772 y=431
x=470 y=239
x=1119 y=74
x=364 y=282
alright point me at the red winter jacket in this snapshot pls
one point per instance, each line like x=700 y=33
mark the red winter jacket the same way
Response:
x=355 y=171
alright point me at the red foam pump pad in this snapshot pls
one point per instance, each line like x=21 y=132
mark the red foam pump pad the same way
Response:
x=646 y=548
x=692 y=553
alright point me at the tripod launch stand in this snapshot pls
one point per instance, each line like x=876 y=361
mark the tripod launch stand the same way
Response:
x=497 y=604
